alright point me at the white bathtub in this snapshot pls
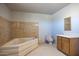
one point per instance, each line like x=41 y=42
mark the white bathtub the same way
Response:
x=18 y=47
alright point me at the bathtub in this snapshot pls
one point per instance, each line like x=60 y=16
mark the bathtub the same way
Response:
x=18 y=47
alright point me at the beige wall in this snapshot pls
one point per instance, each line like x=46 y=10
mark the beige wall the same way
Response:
x=5 y=15
x=4 y=31
x=23 y=29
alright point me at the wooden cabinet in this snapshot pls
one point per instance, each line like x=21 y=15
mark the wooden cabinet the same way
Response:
x=74 y=47
x=68 y=45
x=59 y=43
x=65 y=45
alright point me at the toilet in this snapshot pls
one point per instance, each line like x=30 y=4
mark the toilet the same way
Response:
x=49 y=39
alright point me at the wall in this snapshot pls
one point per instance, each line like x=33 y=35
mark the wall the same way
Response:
x=42 y=19
x=4 y=31
x=23 y=29
x=58 y=20
x=4 y=24
x=5 y=12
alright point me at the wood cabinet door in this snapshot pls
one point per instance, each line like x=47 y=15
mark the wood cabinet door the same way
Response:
x=59 y=45
x=74 y=47
x=65 y=45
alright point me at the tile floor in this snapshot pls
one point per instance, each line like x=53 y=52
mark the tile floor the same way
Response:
x=46 y=50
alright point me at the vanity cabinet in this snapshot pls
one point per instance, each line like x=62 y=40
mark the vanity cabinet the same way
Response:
x=74 y=47
x=65 y=45
x=68 y=45
x=59 y=43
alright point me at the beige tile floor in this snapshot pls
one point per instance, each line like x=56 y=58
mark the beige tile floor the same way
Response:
x=46 y=50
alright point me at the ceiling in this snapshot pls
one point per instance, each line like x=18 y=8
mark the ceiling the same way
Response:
x=44 y=8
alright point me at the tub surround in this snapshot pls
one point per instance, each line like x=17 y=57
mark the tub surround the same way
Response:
x=21 y=29
x=4 y=31
x=11 y=30
x=68 y=44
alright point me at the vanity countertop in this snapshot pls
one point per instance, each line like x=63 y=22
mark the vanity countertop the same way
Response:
x=70 y=36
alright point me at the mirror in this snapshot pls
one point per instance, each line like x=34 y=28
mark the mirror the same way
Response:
x=67 y=24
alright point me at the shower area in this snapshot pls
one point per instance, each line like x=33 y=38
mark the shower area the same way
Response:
x=17 y=38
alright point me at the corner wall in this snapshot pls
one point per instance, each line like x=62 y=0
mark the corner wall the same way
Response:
x=42 y=19
x=58 y=20
x=4 y=24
